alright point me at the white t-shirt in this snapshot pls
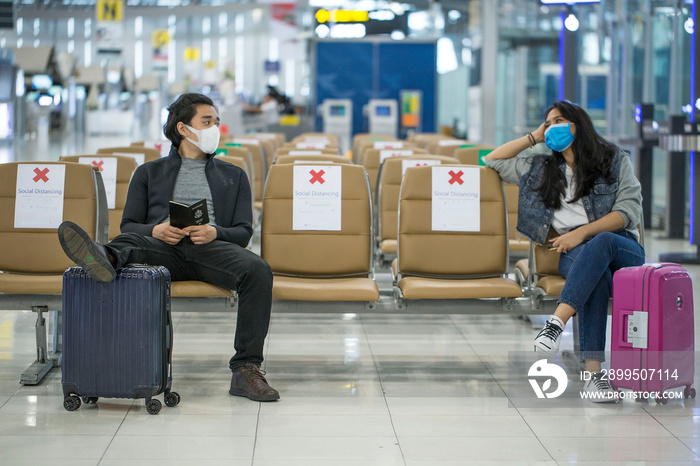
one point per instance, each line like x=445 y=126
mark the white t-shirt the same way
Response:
x=572 y=215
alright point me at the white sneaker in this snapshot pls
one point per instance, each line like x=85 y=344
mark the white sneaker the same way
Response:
x=550 y=336
x=599 y=390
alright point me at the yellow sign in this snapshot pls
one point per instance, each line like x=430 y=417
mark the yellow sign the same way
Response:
x=191 y=54
x=160 y=38
x=110 y=10
x=342 y=16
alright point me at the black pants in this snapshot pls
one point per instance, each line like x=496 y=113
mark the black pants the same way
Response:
x=222 y=264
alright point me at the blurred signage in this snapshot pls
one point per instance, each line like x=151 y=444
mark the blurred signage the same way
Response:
x=110 y=10
x=272 y=66
x=160 y=40
x=191 y=54
x=375 y=22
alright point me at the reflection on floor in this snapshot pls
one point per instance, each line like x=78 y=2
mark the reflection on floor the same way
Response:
x=356 y=390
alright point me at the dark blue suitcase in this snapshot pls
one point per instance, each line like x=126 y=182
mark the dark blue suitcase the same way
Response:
x=117 y=337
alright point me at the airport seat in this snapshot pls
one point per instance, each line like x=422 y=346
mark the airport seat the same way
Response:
x=373 y=158
x=360 y=138
x=259 y=165
x=445 y=146
x=422 y=140
x=517 y=241
x=366 y=145
x=125 y=169
x=312 y=158
x=470 y=155
x=388 y=188
x=242 y=163
x=148 y=153
x=311 y=265
x=447 y=265
x=327 y=138
x=288 y=150
x=32 y=261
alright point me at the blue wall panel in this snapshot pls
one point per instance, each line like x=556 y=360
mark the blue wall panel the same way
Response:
x=375 y=70
x=344 y=71
x=410 y=66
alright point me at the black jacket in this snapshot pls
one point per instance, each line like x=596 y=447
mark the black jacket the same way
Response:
x=152 y=186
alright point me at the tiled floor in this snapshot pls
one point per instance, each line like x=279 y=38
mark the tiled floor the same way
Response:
x=356 y=390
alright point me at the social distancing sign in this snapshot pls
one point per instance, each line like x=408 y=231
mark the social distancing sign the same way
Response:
x=311 y=145
x=107 y=167
x=385 y=154
x=317 y=199
x=388 y=145
x=39 y=196
x=406 y=163
x=456 y=196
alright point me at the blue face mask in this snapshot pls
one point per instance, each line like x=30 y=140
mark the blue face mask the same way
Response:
x=558 y=137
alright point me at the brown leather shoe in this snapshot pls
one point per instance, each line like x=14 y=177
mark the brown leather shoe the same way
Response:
x=249 y=381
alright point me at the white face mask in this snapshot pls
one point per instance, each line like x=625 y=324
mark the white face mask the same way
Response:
x=208 y=138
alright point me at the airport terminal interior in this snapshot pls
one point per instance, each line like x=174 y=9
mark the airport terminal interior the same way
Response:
x=382 y=355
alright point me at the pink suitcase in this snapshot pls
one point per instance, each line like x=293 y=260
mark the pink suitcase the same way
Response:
x=652 y=336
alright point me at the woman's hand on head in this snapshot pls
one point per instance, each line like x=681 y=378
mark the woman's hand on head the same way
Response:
x=538 y=134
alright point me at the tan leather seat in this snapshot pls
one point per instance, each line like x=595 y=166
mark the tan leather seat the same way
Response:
x=125 y=168
x=544 y=272
x=259 y=167
x=470 y=155
x=319 y=265
x=422 y=140
x=452 y=265
x=361 y=138
x=321 y=159
x=316 y=137
x=288 y=150
x=148 y=153
x=365 y=146
x=372 y=161
x=446 y=146
x=388 y=188
x=32 y=260
x=241 y=163
x=517 y=242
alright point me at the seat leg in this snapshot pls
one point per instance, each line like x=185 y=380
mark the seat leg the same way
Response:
x=43 y=364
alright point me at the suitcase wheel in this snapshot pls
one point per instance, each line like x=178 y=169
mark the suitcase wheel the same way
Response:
x=172 y=399
x=689 y=392
x=661 y=400
x=90 y=400
x=71 y=402
x=153 y=406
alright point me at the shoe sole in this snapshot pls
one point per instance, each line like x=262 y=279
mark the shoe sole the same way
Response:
x=80 y=248
x=539 y=347
x=253 y=397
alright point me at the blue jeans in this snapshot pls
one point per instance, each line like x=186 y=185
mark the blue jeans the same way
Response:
x=222 y=264
x=588 y=269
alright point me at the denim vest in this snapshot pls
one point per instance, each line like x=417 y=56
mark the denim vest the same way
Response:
x=534 y=219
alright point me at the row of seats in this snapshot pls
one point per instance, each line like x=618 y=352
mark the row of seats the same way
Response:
x=435 y=271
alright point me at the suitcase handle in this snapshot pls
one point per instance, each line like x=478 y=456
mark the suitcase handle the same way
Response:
x=622 y=320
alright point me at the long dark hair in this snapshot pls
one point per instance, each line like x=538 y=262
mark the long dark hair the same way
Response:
x=183 y=110
x=593 y=156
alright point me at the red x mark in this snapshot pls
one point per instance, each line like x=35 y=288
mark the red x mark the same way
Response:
x=456 y=177
x=98 y=164
x=317 y=176
x=41 y=175
x=421 y=164
x=159 y=146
